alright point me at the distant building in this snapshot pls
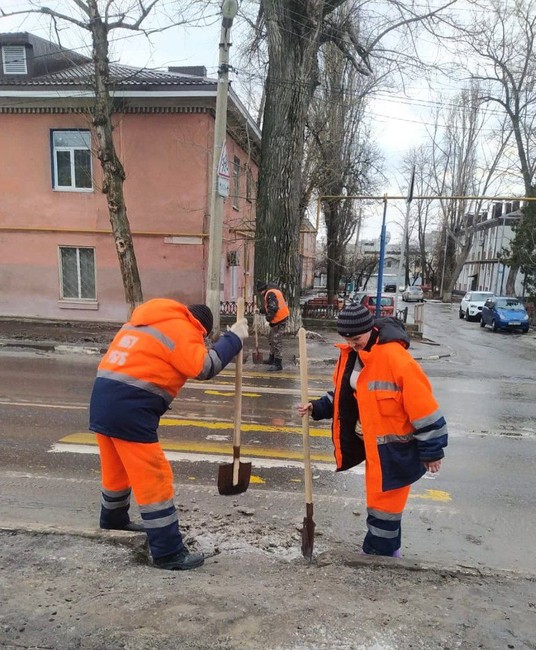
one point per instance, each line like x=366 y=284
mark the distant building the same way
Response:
x=493 y=232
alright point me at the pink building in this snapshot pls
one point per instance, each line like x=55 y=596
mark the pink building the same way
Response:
x=57 y=254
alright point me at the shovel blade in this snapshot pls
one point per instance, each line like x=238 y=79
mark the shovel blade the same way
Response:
x=225 y=478
x=308 y=533
x=257 y=357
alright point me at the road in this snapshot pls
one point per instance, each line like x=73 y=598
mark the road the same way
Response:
x=467 y=513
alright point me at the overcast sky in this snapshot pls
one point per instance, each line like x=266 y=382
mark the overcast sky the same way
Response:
x=398 y=124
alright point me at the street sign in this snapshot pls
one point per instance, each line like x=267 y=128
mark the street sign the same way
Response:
x=223 y=173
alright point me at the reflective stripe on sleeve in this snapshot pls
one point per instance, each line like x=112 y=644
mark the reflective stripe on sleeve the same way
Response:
x=152 y=331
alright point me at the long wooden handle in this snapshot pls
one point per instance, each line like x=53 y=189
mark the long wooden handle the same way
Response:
x=305 y=419
x=238 y=399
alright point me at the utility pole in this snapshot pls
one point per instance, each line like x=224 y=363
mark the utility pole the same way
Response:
x=382 y=257
x=220 y=166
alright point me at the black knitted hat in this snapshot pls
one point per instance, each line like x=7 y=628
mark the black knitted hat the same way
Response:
x=354 y=320
x=261 y=286
x=203 y=315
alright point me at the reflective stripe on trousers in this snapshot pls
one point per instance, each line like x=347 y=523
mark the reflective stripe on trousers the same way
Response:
x=143 y=468
x=384 y=520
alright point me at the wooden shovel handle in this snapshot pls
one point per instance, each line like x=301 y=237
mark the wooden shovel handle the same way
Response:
x=238 y=399
x=305 y=418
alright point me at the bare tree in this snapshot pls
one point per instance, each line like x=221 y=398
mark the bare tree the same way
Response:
x=457 y=174
x=502 y=38
x=295 y=32
x=100 y=18
x=422 y=217
x=345 y=158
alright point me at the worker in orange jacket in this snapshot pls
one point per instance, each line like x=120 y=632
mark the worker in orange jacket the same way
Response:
x=146 y=365
x=403 y=432
x=276 y=312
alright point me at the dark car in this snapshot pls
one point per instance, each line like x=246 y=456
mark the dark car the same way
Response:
x=504 y=313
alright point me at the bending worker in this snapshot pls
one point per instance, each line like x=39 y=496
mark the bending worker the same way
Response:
x=276 y=313
x=146 y=365
x=379 y=383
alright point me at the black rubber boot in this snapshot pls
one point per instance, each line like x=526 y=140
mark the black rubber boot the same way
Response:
x=277 y=366
x=181 y=561
x=270 y=361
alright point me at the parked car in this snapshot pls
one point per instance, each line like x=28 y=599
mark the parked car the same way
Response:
x=387 y=305
x=472 y=303
x=390 y=288
x=413 y=294
x=505 y=313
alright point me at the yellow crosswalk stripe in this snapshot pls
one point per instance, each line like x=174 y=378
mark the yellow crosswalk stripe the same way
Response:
x=229 y=426
x=210 y=448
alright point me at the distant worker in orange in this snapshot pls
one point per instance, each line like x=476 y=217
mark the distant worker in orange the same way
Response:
x=378 y=383
x=276 y=313
x=146 y=365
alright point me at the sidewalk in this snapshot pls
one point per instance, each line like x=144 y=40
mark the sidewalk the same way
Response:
x=85 y=337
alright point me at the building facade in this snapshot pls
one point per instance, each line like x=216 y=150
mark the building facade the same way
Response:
x=58 y=258
x=493 y=232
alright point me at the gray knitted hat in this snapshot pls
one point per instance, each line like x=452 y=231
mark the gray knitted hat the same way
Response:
x=354 y=320
x=203 y=315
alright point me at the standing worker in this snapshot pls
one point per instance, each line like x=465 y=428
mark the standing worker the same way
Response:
x=276 y=312
x=379 y=383
x=146 y=365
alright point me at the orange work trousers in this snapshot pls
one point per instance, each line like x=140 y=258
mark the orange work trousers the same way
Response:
x=144 y=469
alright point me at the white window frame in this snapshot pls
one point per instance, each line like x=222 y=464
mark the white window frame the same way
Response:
x=78 y=299
x=71 y=150
x=17 y=67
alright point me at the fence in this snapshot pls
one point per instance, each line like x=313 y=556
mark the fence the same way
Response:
x=228 y=308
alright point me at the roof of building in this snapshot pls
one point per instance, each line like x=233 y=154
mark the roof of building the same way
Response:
x=55 y=73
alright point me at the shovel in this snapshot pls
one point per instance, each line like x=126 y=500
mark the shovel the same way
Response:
x=256 y=356
x=233 y=478
x=308 y=530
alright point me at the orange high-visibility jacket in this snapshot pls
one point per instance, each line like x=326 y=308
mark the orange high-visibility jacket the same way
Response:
x=401 y=422
x=146 y=365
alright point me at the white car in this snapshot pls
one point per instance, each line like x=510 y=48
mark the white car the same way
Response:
x=472 y=303
x=413 y=293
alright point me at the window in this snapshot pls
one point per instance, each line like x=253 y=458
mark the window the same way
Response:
x=236 y=181
x=77 y=273
x=71 y=152
x=14 y=59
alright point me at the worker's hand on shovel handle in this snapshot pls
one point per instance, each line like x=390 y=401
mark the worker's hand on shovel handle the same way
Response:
x=304 y=409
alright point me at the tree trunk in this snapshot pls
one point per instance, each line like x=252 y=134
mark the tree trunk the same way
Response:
x=293 y=34
x=114 y=175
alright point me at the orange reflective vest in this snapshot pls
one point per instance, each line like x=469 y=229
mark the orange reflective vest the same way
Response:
x=282 y=307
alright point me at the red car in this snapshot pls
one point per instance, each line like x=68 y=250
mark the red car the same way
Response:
x=387 y=305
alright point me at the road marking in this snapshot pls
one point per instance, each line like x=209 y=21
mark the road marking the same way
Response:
x=212 y=448
x=229 y=426
x=433 y=495
x=176 y=454
x=262 y=390
x=230 y=393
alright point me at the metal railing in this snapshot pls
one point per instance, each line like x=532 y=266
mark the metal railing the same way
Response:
x=228 y=308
